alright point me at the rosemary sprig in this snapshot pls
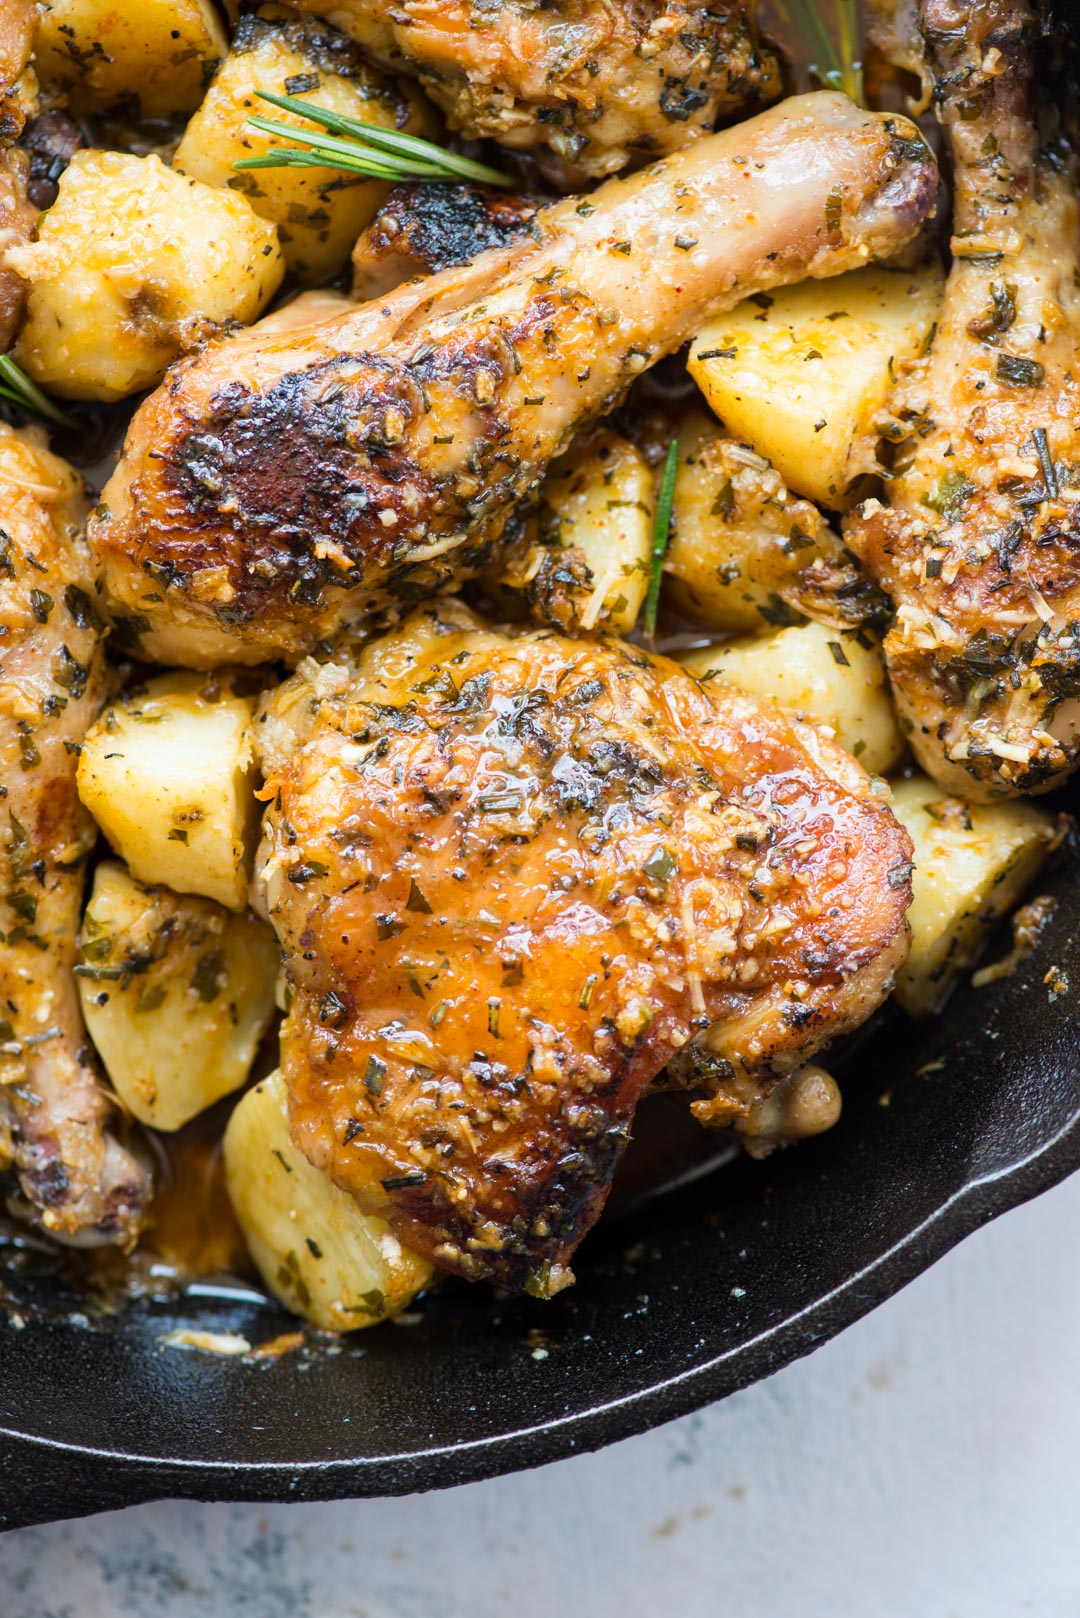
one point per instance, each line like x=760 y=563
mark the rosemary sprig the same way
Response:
x=16 y=389
x=661 y=533
x=838 y=69
x=356 y=147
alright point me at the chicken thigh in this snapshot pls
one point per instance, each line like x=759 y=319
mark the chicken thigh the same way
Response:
x=587 y=85
x=56 y=1121
x=280 y=484
x=513 y=877
x=978 y=543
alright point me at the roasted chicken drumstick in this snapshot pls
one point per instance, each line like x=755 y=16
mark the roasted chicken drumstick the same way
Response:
x=587 y=85
x=279 y=485
x=513 y=876
x=979 y=542
x=80 y=1182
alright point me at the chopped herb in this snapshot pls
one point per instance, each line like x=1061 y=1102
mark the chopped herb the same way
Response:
x=178 y=834
x=500 y=803
x=209 y=975
x=661 y=534
x=494 y=1005
x=387 y=926
x=151 y=999
x=586 y=994
x=839 y=657
x=41 y=604
x=513 y=972
x=401 y=1182
x=933 y=567
x=1018 y=372
x=724 y=504
x=953 y=493
x=900 y=875
x=416 y=900
x=82 y=609
x=660 y=867
x=716 y=354
x=374 y=1076
x=1042 y=450
x=333 y=1011
x=304 y=871
x=72 y=674
x=834 y=213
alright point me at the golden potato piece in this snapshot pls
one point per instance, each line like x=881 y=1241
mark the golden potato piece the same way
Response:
x=176 y=992
x=819 y=674
x=973 y=862
x=168 y=774
x=583 y=563
x=745 y=555
x=319 y=212
x=316 y=1251
x=131 y=264
x=154 y=57
x=802 y=373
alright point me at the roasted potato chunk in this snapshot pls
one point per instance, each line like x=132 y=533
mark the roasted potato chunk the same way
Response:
x=830 y=678
x=583 y=561
x=316 y=1251
x=746 y=556
x=133 y=263
x=802 y=373
x=176 y=992
x=152 y=57
x=168 y=774
x=319 y=212
x=973 y=862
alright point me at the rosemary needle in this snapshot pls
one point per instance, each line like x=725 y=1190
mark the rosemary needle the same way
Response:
x=356 y=147
x=17 y=389
x=661 y=531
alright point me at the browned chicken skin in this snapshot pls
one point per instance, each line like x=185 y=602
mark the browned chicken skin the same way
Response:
x=424 y=228
x=80 y=1182
x=979 y=544
x=279 y=485
x=587 y=85
x=513 y=877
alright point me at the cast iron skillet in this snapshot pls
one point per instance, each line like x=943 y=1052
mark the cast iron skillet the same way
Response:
x=680 y=1300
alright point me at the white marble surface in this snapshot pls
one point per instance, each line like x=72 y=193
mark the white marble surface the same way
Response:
x=926 y=1464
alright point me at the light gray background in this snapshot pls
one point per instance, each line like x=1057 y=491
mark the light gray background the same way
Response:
x=926 y=1464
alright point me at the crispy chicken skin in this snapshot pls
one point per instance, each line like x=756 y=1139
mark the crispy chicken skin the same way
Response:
x=275 y=487
x=424 y=228
x=586 y=85
x=513 y=876
x=80 y=1182
x=979 y=543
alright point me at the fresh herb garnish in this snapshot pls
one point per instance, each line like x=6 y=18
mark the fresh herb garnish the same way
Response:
x=16 y=389
x=661 y=534
x=368 y=149
x=834 y=66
